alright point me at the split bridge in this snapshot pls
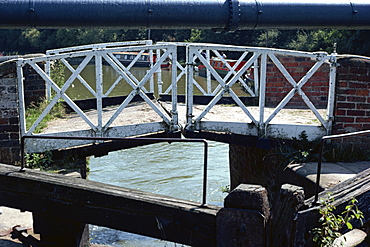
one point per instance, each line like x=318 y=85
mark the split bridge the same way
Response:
x=261 y=83
x=242 y=99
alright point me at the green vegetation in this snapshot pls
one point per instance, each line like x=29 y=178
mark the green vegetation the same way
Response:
x=46 y=161
x=226 y=189
x=300 y=150
x=333 y=225
x=38 y=160
x=57 y=74
x=39 y=40
x=35 y=110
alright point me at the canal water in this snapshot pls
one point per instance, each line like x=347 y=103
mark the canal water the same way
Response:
x=174 y=169
x=78 y=91
x=168 y=169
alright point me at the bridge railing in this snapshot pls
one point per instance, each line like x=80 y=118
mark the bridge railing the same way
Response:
x=215 y=71
x=76 y=60
x=95 y=47
x=253 y=68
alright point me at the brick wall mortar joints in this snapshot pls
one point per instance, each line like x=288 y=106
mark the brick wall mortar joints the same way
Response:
x=352 y=97
x=9 y=111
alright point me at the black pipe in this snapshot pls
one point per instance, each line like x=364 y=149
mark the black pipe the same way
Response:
x=185 y=14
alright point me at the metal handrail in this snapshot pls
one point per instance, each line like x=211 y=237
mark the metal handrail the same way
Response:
x=133 y=139
x=321 y=149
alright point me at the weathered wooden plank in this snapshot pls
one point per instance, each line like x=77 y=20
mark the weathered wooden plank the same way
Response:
x=107 y=205
x=358 y=187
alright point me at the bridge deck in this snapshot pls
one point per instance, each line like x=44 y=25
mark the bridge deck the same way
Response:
x=140 y=112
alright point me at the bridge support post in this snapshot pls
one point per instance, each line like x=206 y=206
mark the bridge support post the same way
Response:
x=282 y=220
x=242 y=221
x=55 y=231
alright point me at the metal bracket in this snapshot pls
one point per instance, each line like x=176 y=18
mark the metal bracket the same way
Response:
x=320 y=55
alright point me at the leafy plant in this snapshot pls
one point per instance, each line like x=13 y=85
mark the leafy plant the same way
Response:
x=300 y=149
x=333 y=225
x=39 y=160
x=57 y=74
x=226 y=189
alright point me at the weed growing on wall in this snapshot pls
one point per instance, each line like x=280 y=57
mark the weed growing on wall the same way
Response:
x=35 y=109
x=333 y=225
x=39 y=160
x=301 y=150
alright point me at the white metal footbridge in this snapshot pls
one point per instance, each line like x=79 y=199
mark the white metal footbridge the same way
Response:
x=250 y=121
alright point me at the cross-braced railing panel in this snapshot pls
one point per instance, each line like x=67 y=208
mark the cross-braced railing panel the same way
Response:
x=250 y=64
x=166 y=88
x=217 y=69
x=76 y=61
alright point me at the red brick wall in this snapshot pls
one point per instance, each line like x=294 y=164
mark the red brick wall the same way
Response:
x=9 y=112
x=352 y=102
x=277 y=86
x=9 y=115
x=34 y=86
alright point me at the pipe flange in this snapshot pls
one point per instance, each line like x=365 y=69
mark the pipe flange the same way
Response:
x=234 y=16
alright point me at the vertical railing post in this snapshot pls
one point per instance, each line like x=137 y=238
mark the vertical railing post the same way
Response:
x=189 y=85
x=21 y=99
x=159 y=74
x=48 y=86
x=255 y=77
x=151 y=85
x=209 y=79
x=99 y=90
x=174 y=113
x=331 y=93
x=262 y=94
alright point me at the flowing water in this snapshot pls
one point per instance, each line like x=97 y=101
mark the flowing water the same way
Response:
x=168 y=169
